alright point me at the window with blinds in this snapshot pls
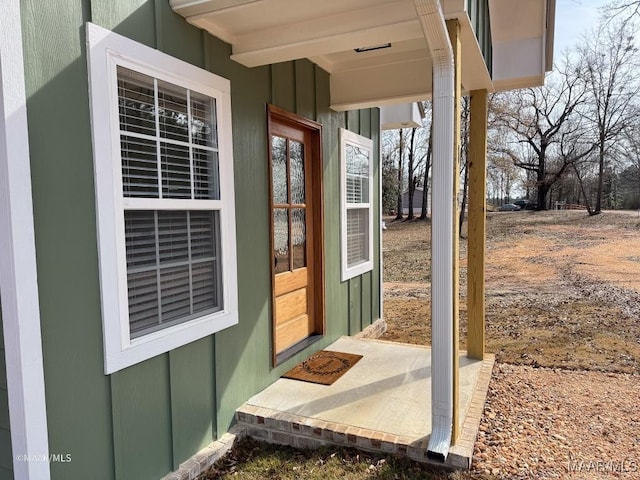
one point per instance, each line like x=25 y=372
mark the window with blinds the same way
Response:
x=165 y=201
x=357 y=215
x=168 y=144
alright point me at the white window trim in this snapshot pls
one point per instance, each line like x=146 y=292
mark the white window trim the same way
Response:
x=18 y=277
x=107 y=50
x=348 y=137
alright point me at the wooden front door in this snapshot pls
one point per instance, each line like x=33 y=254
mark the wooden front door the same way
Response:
x=296 y=225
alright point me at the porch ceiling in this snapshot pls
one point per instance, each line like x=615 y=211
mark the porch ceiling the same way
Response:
x=327 y=32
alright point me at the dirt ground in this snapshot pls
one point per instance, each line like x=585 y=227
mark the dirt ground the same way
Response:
x=563 y=318
x=562 y=288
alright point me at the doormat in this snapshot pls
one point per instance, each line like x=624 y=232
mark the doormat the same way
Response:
x=323 y=367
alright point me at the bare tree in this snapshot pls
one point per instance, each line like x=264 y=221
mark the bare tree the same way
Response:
x=609 y=68
x=624 y=9
x=537 y=118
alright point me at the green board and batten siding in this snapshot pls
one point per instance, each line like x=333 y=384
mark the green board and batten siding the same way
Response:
x=144 y=421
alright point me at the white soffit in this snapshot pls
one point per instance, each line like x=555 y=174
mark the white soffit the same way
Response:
x=263 y=32
x=522 y=37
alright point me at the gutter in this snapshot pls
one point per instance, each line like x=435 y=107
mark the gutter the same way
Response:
x=443 y=198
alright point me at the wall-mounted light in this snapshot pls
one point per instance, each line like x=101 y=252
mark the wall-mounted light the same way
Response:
x=372 y=48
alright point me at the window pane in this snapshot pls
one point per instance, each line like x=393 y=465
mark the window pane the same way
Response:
x=139 y=167
x=357 y=236
x=296 y=153
x=279 y=170
x=205 y=287
x=140 y=239
x=174 y=291
x=206 y=270
x=173 y=267
x=357 y=174
x=299 y=237
x=172 y=110
x=206 y=178
x=173 y=237
x=203 y=228
x=203 y=120
x=143 y=301
x=281 y=239
x=136 y=103
x=176 y=171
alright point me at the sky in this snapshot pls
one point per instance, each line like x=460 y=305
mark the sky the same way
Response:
x=573 y=19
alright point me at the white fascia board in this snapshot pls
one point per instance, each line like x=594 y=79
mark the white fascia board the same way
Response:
x=18 y=274
x=517 y=83
x=516 y=61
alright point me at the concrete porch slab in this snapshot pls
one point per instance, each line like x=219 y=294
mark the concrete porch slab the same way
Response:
x=383 y=403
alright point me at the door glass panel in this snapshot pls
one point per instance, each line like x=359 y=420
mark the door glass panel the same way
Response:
x=296 y=153
x=281 y=239
x=279 y=169
x=299 y=237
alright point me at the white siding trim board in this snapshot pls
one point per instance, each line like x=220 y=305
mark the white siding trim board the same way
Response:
x=18 y=275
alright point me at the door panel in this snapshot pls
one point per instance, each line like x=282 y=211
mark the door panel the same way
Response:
x=290 y=281
x=296 y=313
x=291 y=332
x=291 y=305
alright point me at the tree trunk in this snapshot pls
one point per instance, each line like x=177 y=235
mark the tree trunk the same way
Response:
x=410 y=166
x=598 y=206
x=465 y=187
x=399 y=214
x=584 y=193
x=542 y=197
x=425 y=185
x=543 y=188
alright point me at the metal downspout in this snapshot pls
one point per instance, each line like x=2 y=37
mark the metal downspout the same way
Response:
x=435 y=32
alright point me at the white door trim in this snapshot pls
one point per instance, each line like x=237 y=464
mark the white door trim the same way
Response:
x=18 y=279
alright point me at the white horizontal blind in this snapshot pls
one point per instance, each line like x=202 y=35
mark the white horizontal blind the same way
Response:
x=169 y=151
x=357 y=236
